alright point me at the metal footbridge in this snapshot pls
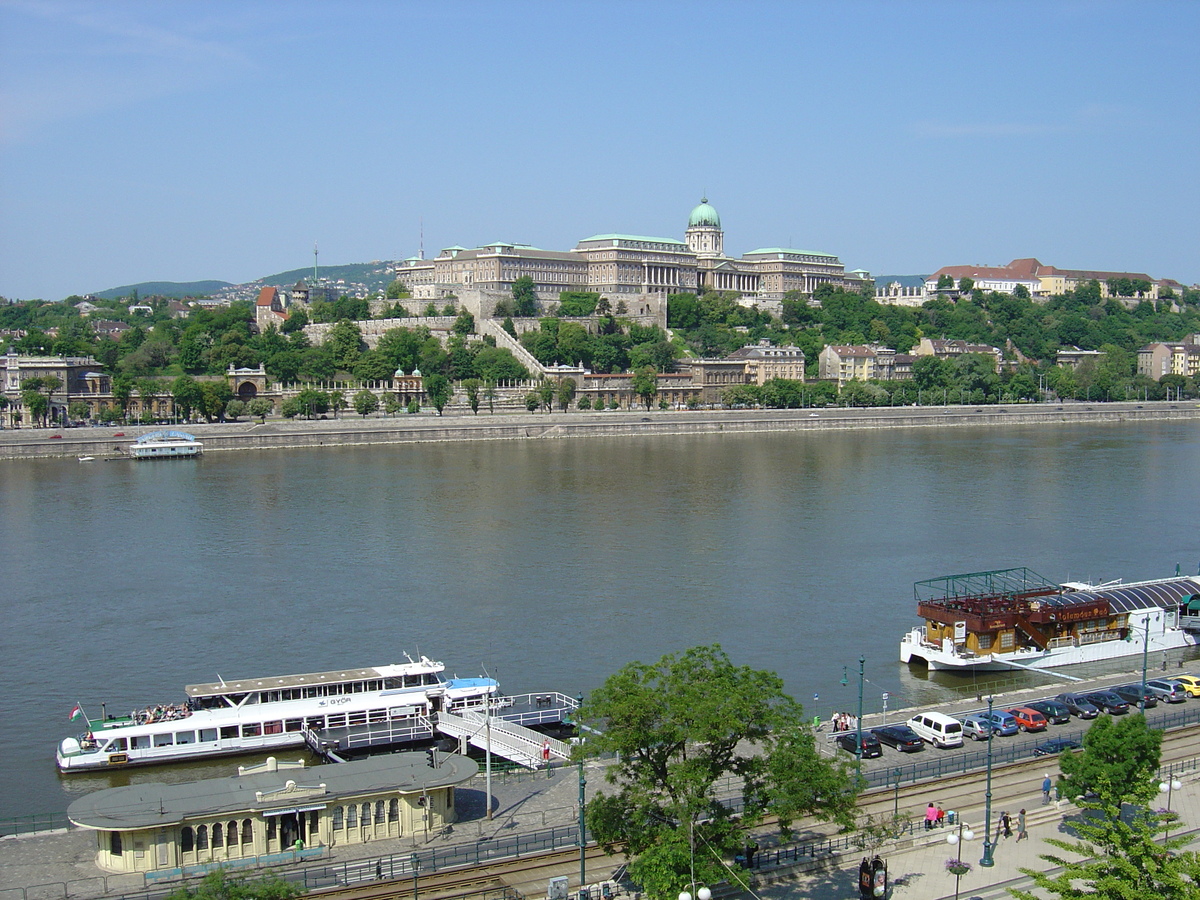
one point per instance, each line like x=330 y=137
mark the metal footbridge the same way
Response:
x=505 y=731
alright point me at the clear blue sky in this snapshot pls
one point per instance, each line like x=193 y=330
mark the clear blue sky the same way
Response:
x=188 y=140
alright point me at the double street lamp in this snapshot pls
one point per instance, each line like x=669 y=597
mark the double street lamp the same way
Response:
x=1169 y=787
x=954 y=839
x=862 y=661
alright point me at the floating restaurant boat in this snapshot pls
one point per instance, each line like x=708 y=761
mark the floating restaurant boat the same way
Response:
x=1015 y=618
x=396 y=703
x=158 y=444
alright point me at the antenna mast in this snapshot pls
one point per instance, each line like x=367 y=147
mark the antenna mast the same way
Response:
x=314 y=263
x=421 y=252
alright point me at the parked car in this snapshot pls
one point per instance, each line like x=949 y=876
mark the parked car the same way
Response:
x=1028 y=719
x=1079 y=705
x=1055 y=745
x=1107 y=701
x=901 y=737
x=1005 y=724
x=1167 y=690
x=977 y=728
x=1190 y=683
x=870 y=744
x=1133 y=694
x=1056 y=713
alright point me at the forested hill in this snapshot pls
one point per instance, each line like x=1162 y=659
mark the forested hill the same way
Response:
x=164 y=289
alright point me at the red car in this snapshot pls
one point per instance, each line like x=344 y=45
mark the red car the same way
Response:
x=56 y=437
x=1028 y=719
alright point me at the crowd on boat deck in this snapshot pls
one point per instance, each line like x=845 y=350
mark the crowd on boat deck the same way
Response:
x=160 y=713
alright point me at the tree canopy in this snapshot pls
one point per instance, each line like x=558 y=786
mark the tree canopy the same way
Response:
x=1118 y=762
x=678 y=726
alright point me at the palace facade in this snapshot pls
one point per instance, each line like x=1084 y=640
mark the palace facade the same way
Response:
x=617 y=264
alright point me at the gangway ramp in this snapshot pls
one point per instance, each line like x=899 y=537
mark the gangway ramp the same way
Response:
x=1028 y=668
x=522 y=745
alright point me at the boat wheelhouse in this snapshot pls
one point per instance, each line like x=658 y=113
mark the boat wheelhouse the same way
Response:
x=395 y=704
x=159 y=444
x=1015 y=618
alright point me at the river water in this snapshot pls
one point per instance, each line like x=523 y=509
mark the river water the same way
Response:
x=549 y=564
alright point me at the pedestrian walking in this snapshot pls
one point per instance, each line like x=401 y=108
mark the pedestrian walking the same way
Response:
x=1047 y=784
x=1021 y=832
x=930 y=816
x=1004 y=827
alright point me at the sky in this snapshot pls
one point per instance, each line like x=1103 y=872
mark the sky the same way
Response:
x=181 y=141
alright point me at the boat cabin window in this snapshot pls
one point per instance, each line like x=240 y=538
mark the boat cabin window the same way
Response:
x=293 y=724
x=229 y=732
x=316 y=723
x=337 y=721
x=164 y=740
x=358 y=718
x=117 y=745
x=208 y=735
x=272 y=728
x=252 y=729
x=185 y=737
x=377 y=715
x=140 y=742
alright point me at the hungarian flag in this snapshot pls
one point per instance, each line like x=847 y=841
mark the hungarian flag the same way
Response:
x=76 y=712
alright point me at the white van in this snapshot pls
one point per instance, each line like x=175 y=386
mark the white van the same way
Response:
x=939 y=729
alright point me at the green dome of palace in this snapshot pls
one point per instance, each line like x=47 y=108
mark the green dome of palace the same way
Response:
x=704 y=215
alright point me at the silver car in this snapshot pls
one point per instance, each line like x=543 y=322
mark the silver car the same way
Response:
x=1167 y=691
x=976 y=727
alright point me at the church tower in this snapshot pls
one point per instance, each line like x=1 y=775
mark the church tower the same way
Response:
x=704 y=235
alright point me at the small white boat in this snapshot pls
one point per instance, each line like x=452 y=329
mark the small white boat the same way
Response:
x=87 y=459
x=158 y=444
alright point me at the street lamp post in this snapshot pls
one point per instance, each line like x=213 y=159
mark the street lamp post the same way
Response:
x=862 y=661
x=987 y=862
x=896 y=796
x=1145 y=649
x=1170 y=786
x=954 y=839
x=582 y=796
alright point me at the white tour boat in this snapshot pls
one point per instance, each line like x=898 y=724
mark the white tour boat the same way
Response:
x=159 y=444
x=395 y=703
x=1014 y=618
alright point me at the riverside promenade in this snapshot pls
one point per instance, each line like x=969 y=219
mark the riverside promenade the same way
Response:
x=112 y=442
x=58 y=865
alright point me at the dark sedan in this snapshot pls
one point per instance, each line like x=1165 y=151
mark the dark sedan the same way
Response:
x=1056 y=713
x=1131 y=693
x=901 y=737
x=1055 y=746
x=1107 y=701
x=1079 y=705
x=870 y=744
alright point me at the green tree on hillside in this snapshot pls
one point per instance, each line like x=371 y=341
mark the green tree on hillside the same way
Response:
x=438 y=391
x=645 y=384
x=525 y=302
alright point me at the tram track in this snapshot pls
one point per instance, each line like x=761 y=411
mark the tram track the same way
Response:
x=524 y=874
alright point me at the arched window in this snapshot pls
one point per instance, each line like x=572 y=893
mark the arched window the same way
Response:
x=231 y=834
x=337 y=818
x=247 y=831
x=218 y=835
x=186 y=844
x=366 y=814
x=114 y=846
x=202 y=837
x=351 y=816
x=378 y=812
x=394 y=810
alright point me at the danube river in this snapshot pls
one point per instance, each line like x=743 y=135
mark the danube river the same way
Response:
x=548 y=564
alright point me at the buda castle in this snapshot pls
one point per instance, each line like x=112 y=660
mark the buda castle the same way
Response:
x=627 y=264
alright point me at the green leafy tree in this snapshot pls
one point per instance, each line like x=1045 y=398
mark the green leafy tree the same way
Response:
x=35 y=403
x=464 y=324
x=187 y=394
x=219 y=885
x=532 y=401
x=397 y=290
x=365 y=403
x=312 y=402
x=945 y=282
x=345 y=340
x=677 y=727
x=392 y=404
x=489 y=394
x=1118 y=762
x=438 y=391
x=260 y=408
x=296 y=320
x=235 y=409
x=472 y=386
x=414 y=406
x=215 y=396
x=525 y=302
x=78 y=411
x=585 y=402
x=645 y=384
x=546 y=392
x=337 y=402
x=565 y=392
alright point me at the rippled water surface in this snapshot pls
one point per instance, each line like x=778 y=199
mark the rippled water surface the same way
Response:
x=550 y=564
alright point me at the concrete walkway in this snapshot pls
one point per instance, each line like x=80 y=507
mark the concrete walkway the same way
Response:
x=917 y=867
